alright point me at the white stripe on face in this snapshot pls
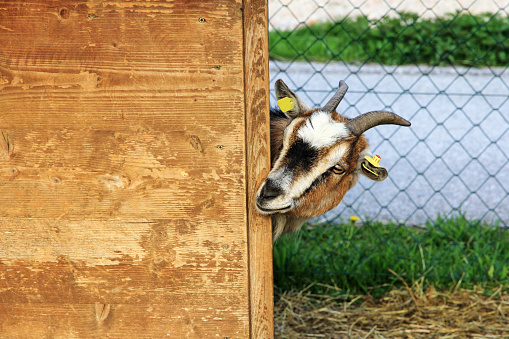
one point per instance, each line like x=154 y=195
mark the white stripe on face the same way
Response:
x=320 y=130
x=302 y=183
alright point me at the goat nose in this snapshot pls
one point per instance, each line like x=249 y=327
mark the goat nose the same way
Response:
x=270 y=190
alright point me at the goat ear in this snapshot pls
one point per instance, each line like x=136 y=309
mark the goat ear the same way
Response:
x=373 y=172
x=288 y=101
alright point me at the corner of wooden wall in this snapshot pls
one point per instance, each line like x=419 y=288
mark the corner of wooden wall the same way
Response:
x=256 y=84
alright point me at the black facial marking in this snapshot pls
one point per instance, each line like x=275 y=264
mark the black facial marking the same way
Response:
x=301 y=156
x=275 y=113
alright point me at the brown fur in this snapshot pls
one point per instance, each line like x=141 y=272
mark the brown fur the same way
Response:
x=277 y=129
x=327 y=194
x=328 y=188
x=331 y=191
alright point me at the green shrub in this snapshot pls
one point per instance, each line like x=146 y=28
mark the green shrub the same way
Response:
x=459 y=39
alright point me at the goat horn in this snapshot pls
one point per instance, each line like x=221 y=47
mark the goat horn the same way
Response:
x=333 y=102
x=363 y=122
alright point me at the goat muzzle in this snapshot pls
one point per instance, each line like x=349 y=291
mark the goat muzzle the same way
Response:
x=270 y=200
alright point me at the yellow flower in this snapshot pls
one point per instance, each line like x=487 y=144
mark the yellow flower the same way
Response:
x=354 y=218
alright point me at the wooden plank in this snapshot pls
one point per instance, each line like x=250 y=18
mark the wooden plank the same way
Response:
x=123 y=169
x=258 y=165
x=31 y=320
x=74 y=36
x=126 y=110
x=160 y=278
x=122 y=174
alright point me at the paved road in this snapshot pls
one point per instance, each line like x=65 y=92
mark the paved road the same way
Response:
x=453 y=158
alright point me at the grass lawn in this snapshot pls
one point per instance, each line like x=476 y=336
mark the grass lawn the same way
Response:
x=375 y=257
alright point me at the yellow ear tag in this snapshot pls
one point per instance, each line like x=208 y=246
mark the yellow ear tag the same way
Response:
x=285 y=104
x=373 y=161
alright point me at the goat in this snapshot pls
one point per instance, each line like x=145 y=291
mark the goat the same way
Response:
x=316 y=157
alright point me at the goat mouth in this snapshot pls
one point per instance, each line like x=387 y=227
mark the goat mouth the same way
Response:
x=264 y=210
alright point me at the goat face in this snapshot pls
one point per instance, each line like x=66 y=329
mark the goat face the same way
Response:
x=318 y=157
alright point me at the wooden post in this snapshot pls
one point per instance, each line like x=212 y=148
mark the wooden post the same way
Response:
x=258 y=165
x=133 y=136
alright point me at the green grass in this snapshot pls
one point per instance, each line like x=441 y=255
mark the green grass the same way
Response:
x=360 y=259
x=459 y=39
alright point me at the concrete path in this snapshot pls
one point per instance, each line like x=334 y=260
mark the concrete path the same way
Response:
x=453 y=158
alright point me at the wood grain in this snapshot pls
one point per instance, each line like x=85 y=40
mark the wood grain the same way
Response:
x=116 y=321
x=124 y=169
x=258 y=165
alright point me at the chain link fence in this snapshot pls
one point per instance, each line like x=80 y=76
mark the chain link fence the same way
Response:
x=454 y=158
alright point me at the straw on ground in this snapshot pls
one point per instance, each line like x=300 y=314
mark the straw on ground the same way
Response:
x=402 y=313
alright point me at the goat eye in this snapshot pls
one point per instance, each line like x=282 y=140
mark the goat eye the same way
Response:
x=338 y=169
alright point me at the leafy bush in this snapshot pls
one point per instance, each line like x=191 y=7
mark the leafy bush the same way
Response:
x=459 y=39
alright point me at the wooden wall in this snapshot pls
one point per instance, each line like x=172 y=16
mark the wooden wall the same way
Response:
x=133 y=135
